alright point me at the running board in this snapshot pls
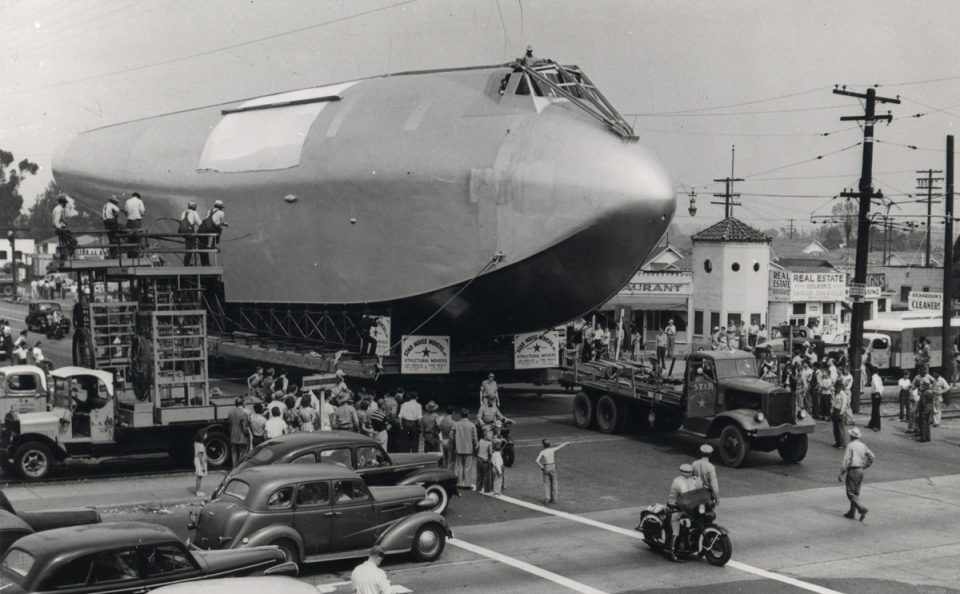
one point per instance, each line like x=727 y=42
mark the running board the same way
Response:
x=352 y=554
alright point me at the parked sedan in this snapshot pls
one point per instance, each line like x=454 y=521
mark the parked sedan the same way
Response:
x=15 y=525
x=320 y=512
x=122 y=558
x=362 y=454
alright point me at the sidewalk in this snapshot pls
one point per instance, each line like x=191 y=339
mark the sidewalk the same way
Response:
x=160 y=491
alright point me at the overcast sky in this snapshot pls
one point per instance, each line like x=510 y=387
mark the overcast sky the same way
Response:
x=70 y=65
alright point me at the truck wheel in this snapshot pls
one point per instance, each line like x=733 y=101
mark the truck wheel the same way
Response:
x=733 y=446
x=218 y=450
x=793 y=449
x=583 y=410
x=34 y=460
x=609 y=416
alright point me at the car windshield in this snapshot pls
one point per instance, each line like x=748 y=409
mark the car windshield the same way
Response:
x=237 y=488
x=16 y=565
x=736 y=368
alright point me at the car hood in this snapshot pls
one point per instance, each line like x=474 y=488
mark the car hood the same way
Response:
x=398 y=493
x=754 y=385
x=234 y=559
x=416 y=460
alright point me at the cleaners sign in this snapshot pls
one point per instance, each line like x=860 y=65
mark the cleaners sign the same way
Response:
x=424 y=354
x=925 y=301
x=536 y=350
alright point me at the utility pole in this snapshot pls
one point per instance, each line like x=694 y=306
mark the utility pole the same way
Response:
x=946 y=360
x=929 y=183
x=729 y=197
x=858 y=287
x=790 y=229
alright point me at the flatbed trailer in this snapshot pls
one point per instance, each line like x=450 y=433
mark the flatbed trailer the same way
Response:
x=718 y=398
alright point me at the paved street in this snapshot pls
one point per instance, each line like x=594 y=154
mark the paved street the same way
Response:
x=783 y=519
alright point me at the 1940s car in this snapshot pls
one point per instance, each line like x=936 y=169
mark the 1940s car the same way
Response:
x=320 y=512
x=46 y=317
x=15 y=525
x=362 y=454
x=122 y=558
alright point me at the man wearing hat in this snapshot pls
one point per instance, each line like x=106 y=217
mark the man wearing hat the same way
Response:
x=856 y=458
x=704 y=470
x=189 y=225
x=110 y=214
x=345 y=416
x=213 y=224
x=429 y=428
x=64 y=236
x=681 y=484
x=135 y=209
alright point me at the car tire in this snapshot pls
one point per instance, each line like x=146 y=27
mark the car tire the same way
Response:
x=437 y=493
x=429 y=542
x=217 y=447
x=34 y=460
x=290 y=551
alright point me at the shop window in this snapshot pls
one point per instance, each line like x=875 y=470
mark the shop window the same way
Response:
x=708 y=266
x=926 y=289
x=733 y=318
x=698 y=323
x=829 y=309
x=882 y=305
x=714 y=320
x=754 y=319
x=3 y=254
x=799 y=309
x=735 y=266
x=756 y=266
x=905 y=292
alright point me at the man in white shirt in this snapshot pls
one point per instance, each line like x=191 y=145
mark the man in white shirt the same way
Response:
x=856 y=459
x=904 y=385
x=410 y=414
x=276 y=426
x=189 y=225
x=368 y=578
x=110 y=215
x=214 y=223
x=134 y=209
x=64 y=236
x=547 y=461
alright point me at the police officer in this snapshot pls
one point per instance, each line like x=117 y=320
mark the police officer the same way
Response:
x=704 y=470
x=680 y=485
x=110 y=214
x=189 y=225
x=213 y=225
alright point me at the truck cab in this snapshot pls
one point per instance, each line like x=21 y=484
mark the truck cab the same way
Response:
x=23 y=389
x=725 y=399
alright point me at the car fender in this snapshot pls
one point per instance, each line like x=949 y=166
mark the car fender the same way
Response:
x=430 y=476
x=398 y=538
x=270 y=535
x=742 y=417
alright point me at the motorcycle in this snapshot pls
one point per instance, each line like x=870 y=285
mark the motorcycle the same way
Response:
x=507 y=453
x=699 y=535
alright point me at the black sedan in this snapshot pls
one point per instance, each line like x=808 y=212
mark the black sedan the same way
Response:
x=17 y=524
x=123 y=558
x=359 y=453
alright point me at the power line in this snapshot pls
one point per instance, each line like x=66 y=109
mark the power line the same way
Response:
x=210 y=52
x=740 y=104
x=811 y=160
x=732 y=113
x=757 y=134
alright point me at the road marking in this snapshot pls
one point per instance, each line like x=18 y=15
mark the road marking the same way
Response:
x=638 y=536
x=333 y=587
x=527 y=567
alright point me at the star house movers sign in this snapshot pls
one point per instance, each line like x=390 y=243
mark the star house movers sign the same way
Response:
x=424 y=355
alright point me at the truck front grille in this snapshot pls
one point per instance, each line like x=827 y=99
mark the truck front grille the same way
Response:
x=780 y=408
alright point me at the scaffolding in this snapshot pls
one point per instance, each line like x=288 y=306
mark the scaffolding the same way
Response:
x=142 y=318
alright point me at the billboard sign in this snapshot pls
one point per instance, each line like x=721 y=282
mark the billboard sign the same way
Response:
x=536 y=350
x=925 y=301
x=424 y=354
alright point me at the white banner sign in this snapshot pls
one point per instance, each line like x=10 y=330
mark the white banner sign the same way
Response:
x=925 y=301
x=818 y=286
x=536 y=350
x=424 y=354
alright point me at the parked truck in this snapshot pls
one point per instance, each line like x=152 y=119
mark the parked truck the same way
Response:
x=719 y=397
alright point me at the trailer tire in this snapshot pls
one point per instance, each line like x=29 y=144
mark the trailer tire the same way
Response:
x=793 y=449
x=734 y=446
x=217 y=447
x=609 y=415
x=583 y=410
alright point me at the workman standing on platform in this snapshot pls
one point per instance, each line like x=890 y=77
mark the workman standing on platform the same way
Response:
x=856 y=458
x=64 y=236
x=110 y=214
x=213 y=225
x=134 y=209
x=704 y=470
x=189 y=226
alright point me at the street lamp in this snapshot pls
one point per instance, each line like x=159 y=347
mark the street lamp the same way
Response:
x=12 y=238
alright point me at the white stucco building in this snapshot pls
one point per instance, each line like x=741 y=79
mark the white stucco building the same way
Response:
x=730 y=263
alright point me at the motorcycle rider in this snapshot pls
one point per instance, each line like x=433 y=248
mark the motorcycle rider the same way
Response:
x=681 y=484
x=704 y=470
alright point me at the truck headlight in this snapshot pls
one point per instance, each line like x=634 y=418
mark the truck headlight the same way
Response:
x=802 y=414
x=759 y=417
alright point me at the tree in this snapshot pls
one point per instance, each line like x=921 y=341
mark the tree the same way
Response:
x=10 y=177
x=847 y=212
x=40 y=217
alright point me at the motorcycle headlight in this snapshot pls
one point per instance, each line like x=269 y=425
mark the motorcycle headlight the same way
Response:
x=702 y=509
x=759 y=417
